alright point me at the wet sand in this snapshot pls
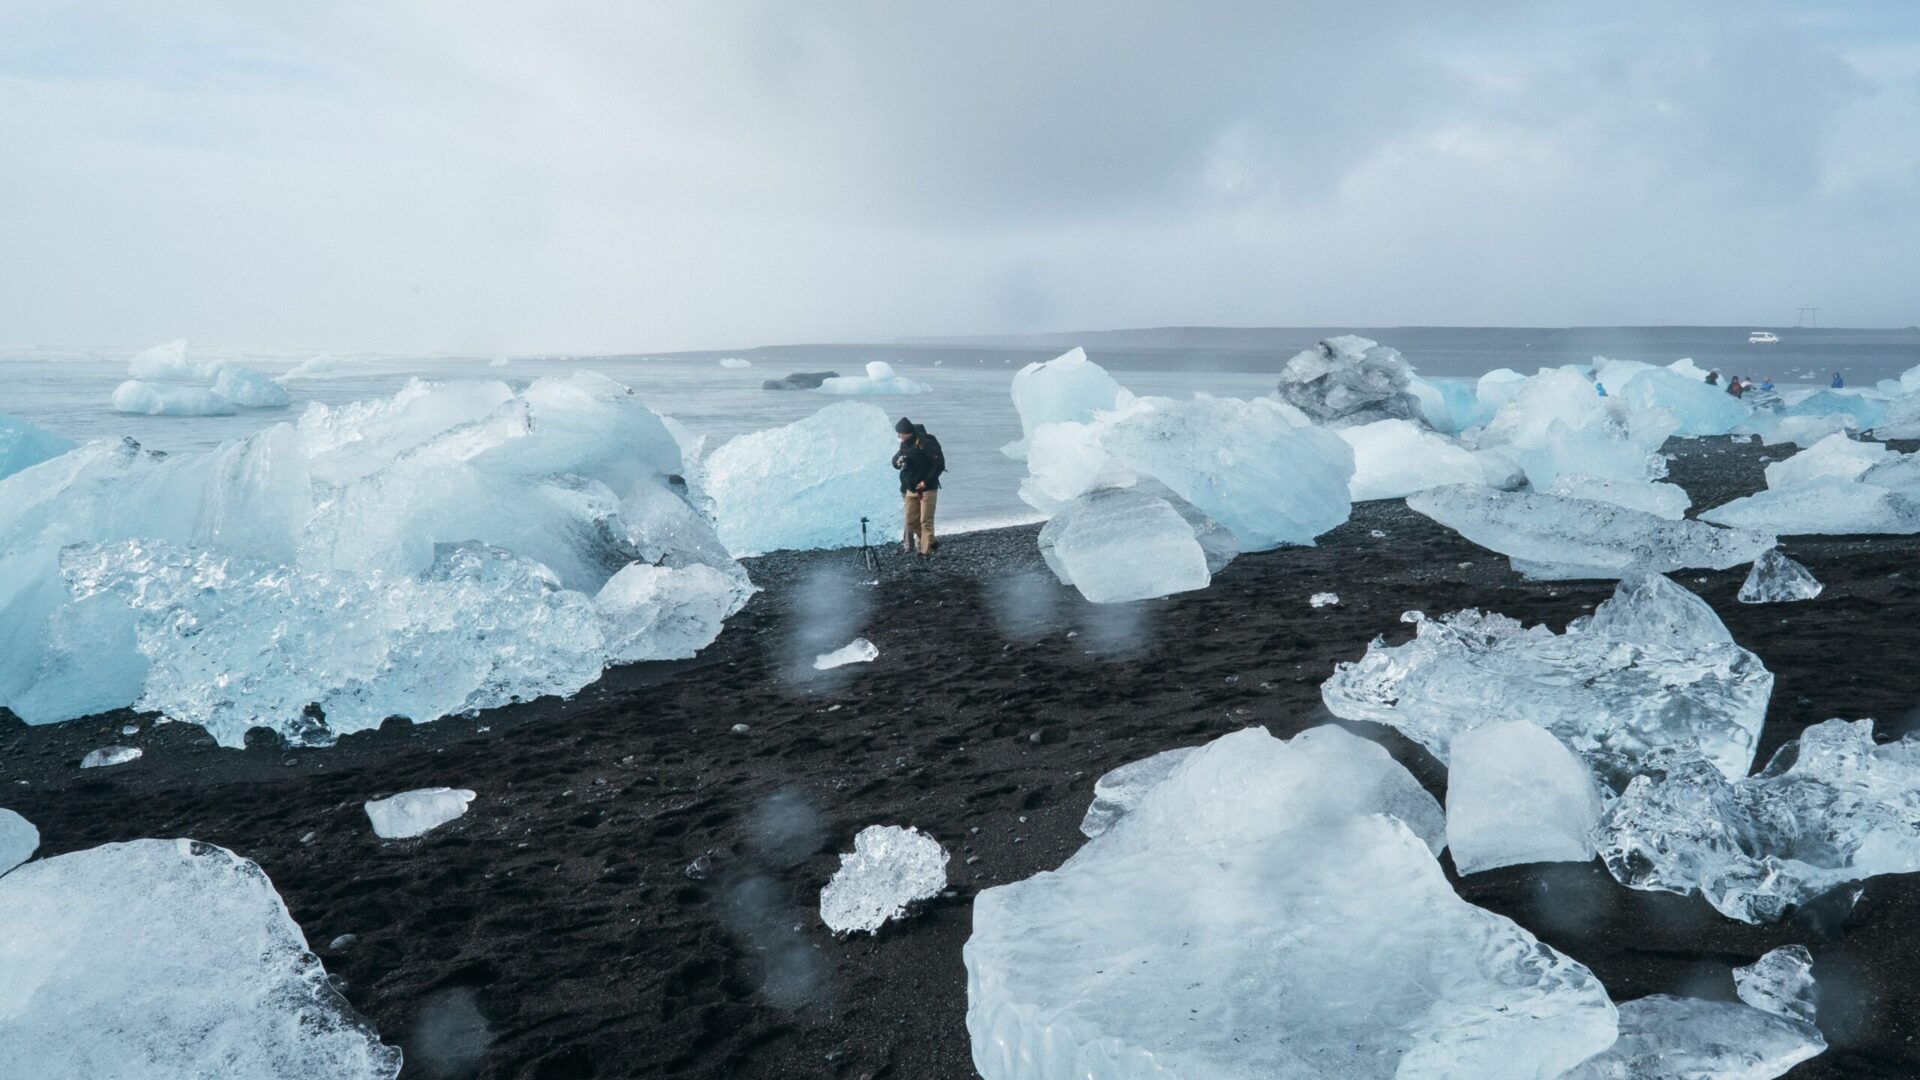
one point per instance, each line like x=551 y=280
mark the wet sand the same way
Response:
x=559 y=913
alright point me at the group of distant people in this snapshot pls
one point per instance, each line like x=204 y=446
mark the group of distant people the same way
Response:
x=1739 y=385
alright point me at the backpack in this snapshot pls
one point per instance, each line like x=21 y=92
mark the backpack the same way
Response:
x=931 y=444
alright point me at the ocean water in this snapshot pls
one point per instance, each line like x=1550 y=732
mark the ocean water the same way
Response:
x=969 y=407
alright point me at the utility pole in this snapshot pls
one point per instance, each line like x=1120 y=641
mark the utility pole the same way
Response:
x=1809 y=316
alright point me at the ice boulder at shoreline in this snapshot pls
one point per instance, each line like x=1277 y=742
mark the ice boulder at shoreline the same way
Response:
x=22 y=445
x=1266 y=911
x=1498 y=767
x=168 y=399
x=1119 y=790
x=1653 y=670
x=1831 y=808
x=1350 y=380
x=1836 y=457
x=1120 y=544
x=1825 y=507
x=806 y=484
x=220 y=981
x=1068 y=387
x=889 y=869
x=879 y=379
x=450 y=548
x=1395 y=458
x=416 y=813
x=1554 y=537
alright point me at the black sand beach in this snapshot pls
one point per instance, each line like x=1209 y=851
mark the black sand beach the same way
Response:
x=561 y=910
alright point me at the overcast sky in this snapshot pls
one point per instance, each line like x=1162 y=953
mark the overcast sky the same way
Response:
x=559 y=176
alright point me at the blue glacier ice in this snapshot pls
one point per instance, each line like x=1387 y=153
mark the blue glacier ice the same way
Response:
x=1395 y=458
x=1269 y=909
x=1836 y=457
x=18 y=840
x=1866 y=412
x=22 y=444
x=171 y=363
x=249 y=389
x=1068 y=387
x=1120 y=544
x=806 y=484
x=1449 y=405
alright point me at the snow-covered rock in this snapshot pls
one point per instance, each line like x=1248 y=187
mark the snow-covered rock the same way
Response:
x=1831 y=808
x=1776 y=578
x=168 y=960
x=1516 y=794
x=806 y=484
x=1552 y=536
x=889 y=869
x=1267 y=910
x=1653 y=670
x=417 y=812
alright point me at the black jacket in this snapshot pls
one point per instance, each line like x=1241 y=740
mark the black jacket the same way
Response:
x=920 y=460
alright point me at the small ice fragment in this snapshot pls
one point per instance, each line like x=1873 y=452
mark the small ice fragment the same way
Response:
x=129 y=729
x=1781 y=982
x=110 y=755
x=1776 y=578
x=700 y=868
x=740 y=729
x=735 y=362
x=1516 y=794
x=857 y=651
x=498 y=361
x=1324 y=599
x=1377 y=534
x=415 y=813
x=344 y=941
x=18 y=840
x=889 y=868
x=1663 y=1037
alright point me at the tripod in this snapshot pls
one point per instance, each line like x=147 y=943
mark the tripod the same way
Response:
x=866 y=551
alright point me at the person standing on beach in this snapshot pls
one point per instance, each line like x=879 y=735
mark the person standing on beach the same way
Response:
x=1838 y=383
x=920 y=462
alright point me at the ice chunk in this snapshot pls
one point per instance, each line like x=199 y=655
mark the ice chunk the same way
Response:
x=1068 y=387
x=1555 y=422
x=1662 y=500
x=735 y=362
x=667 y=613
x=1799 y=430
x=22 y=444
x=110 y=755
x=879 y=379
x=1825 y=507
x=216 y=979
x=1119 y=544
x=1865 y=411
x=1350 y=380
x=1262 y=913
x=249 y=389
x=1323 y=599
x=1551 y=536
x=169 y=399
x=170 y=363
x=1699 y=408
x=1829 y=809
x=1395 y=458
x=889 y=869
x=1118 y=791
x=806 y=484
x=1449 y=405
x=18 y=840
x=1676 y=1038
x=1776 y=578
x=1652 y=671
x=800 y=380
x=416 y=813
x=1781 y=982
x=1899 y=473
x=1516 y=794
x=1836 y=457
x=857 y=651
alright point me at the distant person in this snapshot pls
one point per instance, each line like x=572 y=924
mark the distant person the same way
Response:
x=1713 y=378
x=920 y=461
x=1837 y=382
x=1599 y=388
x=1766 y=384
x=1736 y=387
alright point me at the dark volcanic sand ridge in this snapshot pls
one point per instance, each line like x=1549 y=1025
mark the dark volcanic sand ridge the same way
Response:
x=560 y=908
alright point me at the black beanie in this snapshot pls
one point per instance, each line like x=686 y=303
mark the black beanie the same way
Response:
x=904 y=427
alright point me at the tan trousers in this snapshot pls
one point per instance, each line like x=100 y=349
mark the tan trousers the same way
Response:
x=920 y=506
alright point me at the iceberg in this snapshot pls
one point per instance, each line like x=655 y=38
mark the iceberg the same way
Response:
x=889 y=869
x=806 y=484
x=800 y=380
x=1830 y=809
x=1776 y=578
x=1825 y=507
x=735 y=362
x=857 y=651
x=23 y=445
x=1516 y=794
x=1067 y=388
x=218 y=980
x=1120 y=544
x=18 y=840
x=1554 y=537
x=879 y=379
x=1836 y=457
x=451 y=547
x=167 y=399
x=170 y=363
x=1662 y=500
x=1118 y=791
x=249 y=389
x=1350 y=380
x=1395 y=458
x=416 y=813
x=1653 y=670
x=1264 y=912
